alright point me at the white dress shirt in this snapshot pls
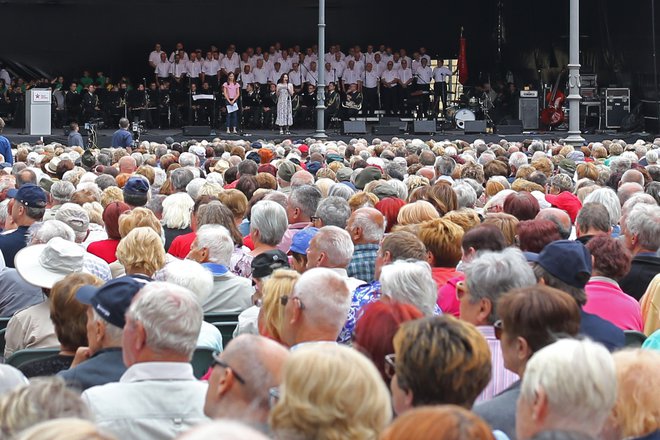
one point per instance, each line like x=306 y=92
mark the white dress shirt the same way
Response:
x=339 y=67
x=330 y=76
x=380 y=67
x=178 y=69
x=245 y=79
x=424 y=74
x=405 y=75
x=230 y=64
x=440 y=74
x=275 y=75
x=154 y=57
x=210 y=67
x=194 y=68
x=260 y=75
x=312 y=77
x=185 y=56
x=389 y=76
x=296 y=77
x=371 y=79
x=163 y=69
x=351 y=76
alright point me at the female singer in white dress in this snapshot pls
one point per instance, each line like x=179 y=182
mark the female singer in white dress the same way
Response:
x=284 y=110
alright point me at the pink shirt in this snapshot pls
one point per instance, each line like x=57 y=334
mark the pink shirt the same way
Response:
x=606 y=300
x=447 y=300
x=501 y=378
x=232 y=89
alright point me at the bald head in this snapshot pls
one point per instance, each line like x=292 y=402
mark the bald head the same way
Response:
x=629 y=189
x=301 y=178
x=558 y=217
x=429 y=173
x=366 y=225
x=127 y=165
x=258 y=362
x=633 y=176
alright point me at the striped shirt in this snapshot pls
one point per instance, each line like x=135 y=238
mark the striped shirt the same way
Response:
x=501 y=378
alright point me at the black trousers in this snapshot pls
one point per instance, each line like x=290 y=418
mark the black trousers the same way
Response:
x=370 y=100
x=440 y=91
x=389 y=97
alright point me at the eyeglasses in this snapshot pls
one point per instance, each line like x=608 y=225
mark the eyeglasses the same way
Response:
x=390 y=365
x=273 y=396
x=498 y=326
x=219 y=362
x=461 y=290
x=284 y=300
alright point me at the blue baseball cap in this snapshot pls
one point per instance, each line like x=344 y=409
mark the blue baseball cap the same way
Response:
x=136 y=185
x=300 y=241
x=111 y=300
x=29 y=195
x=568 y=260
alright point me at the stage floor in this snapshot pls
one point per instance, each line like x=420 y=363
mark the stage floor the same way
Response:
x=104 y=137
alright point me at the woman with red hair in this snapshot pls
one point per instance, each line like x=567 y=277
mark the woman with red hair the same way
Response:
x=534 y=235
x=376 y=326
x=106 y=249
x=390 y=207
x=522 y=205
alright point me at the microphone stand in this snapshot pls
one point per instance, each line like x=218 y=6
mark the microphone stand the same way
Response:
x=190 y=109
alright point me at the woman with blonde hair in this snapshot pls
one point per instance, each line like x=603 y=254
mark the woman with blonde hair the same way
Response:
x=141 y=252
x=438 y=422
x=504 y=222
x=271 y=314
x=177 y=216
x=65 y=429
x=416 y=213
x=329 y=392
x=636 y=413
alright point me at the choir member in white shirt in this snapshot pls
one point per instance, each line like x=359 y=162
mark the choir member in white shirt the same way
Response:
x=441 y=75
x=389 y=90
x=179 y=68
x=405 y=81
x=260 y=74
x=230 y=63
x=387 y=55
x=194 y=68
x=396 y=60
x=369 y=56
x=423 y=54
x=330 y=74
x=268 y=61
x=275 y=74
x=154 y=56
x=379 y=64
x=285 y=62
x=162 y=70
x=210 y=68
x=177 y=51
x=296 y=77
x=309 y=57
x=311 y=75
x=370 y=89
x=351 y=76
x=338 y=65
x=404 y=56
x=246 y=76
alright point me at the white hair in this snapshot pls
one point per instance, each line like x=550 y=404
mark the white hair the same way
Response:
x=644 y=221
x=330 y=308
x=371 y=231
x=400 y=188
x=43 y=232
x=113 y=333
x=176 y=210
x=608 y=198
x=518 y=159
x=194 y=186
x=465 y=194
x=160 y=176
x=218 y=241
x=191 y=275
x=652 y=157
x=410 y=282
x=187 y=160
x=270 y=219
x=215 y=177
x=578 y=379
x=223 y=430
x=336 y=244
x=170 y=315
x=498 y=199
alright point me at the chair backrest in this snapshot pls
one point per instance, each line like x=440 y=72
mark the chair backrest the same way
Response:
x=30 y=354
x=201 y=361
x=220 y=317
x=2 y=340
x=3 y=322
x=634 y=338
x=226 y=330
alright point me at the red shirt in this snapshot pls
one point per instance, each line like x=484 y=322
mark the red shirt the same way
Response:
x=247 y=242
x=105 y=249
x=180 y=246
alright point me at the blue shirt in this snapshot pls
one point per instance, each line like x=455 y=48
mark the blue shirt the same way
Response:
x=13 y=242
x=122 y=138
x=5 y=150
x=75 y=139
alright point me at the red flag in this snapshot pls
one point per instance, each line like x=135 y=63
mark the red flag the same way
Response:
x=462 y=61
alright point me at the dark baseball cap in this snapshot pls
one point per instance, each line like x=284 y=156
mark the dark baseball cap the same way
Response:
x=266 y=263
x=567 y=260
x=111 y=300
x=136 y=185
x=29 y=195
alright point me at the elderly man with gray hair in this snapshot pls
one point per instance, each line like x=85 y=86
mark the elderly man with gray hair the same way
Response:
x=488 y=277
x=300 y=208
x=60 y=193
x=316 y=309
x=332 y=248
x=366 y=227
x=213 y=248
x=158 y=396
x=568 y=386
x=332 y=211
x=641 y=231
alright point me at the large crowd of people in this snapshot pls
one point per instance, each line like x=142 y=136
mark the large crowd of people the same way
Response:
x=389 y=290
x=183 y=87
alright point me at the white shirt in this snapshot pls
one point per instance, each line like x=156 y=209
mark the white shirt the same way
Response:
x=245 y=79
x=230 y=64
x=339 y=67
x=330 y=76
x=178 y=69
x=370 y=57
x=312 y=77
x=246 y=63
x=154 y=57
x=151 y=401
x=371 y=79
x=405 y=75
x=390 y=75
x=441 y=73
x=210 y=67
x=310 y=58
x=185 y=56
x=385 y=57
x=260 y=75
x=296 y=77
x=285 y=64
x=351 y=76
x=275 y=75
x=379 y=67
x=194 y=68
x=162 y=69
x=424 y=74
x=230 y=294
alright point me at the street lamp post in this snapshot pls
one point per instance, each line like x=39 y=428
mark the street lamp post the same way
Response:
x=320 y=91
x=574 y=134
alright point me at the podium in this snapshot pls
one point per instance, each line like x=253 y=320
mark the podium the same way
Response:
x=37 y=112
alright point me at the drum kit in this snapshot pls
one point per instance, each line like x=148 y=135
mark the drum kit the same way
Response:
x=476 y=109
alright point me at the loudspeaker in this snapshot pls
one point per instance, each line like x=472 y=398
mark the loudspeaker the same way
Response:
x=387 y=130
x=475 y=127
x=196 y=130
x=424 y=127
x=514 y=126
x=528 y=109
x=354 y=127
x=617 y=107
